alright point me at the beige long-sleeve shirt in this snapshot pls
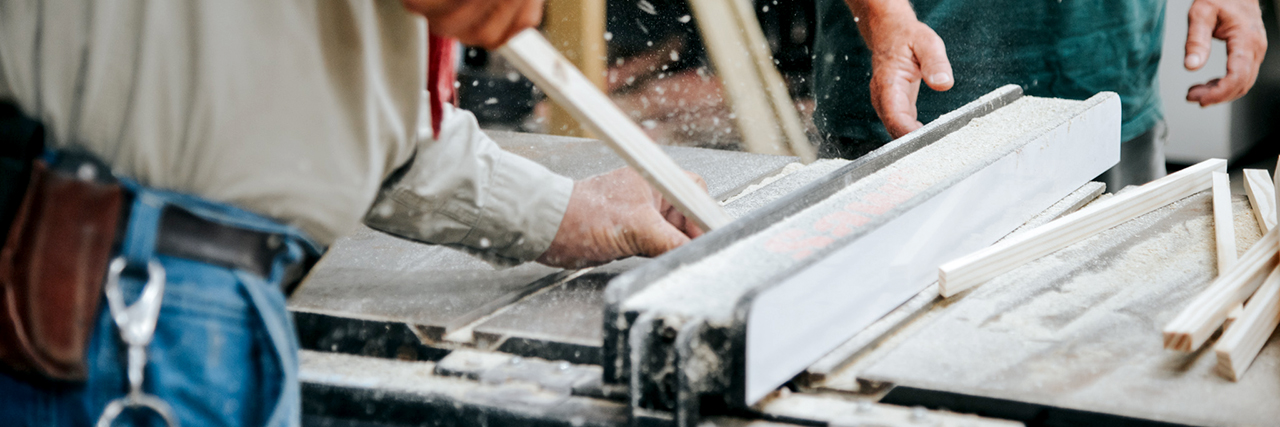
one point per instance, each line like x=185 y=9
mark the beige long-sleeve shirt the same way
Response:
x=296 y=109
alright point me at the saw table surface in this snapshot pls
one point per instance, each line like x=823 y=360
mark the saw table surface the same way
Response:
x=1078 y=332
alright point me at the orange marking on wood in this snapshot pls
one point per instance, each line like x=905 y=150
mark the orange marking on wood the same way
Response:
x=797 y=243
x=840 y=223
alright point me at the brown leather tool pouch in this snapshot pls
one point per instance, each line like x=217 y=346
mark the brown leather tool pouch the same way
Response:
x=52 y=267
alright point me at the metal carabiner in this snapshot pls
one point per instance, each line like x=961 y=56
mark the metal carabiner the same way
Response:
x=137 y=324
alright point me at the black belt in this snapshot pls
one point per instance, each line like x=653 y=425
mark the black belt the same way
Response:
x=182 y=234
x=185 y=235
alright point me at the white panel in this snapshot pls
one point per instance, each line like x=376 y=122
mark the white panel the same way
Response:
x=793 y=324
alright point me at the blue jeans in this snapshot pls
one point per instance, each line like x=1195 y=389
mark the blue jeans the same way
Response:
x=224 y=351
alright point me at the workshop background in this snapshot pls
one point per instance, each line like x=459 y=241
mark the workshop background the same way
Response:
x=658 y=71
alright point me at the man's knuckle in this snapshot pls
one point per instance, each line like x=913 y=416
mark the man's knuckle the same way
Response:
x=1202 y=9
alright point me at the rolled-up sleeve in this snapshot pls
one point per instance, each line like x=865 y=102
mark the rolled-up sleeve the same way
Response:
x=463 y=191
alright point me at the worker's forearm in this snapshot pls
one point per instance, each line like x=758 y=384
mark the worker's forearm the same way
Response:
x=871 y=14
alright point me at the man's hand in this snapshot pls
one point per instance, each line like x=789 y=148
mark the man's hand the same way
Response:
x=485 y=23
x=617 y=215
x=1239 y=22
x=903 y=52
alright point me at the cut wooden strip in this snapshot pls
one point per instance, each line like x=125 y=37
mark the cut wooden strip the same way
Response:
x=1223 y=222
x=1241 y=343
x=980 y=266
x=1225 y=232
x=1261 y=192
x=1262 y=196
x=1232 y=315
x=1199 y=319
x=1275 y=194
x=562 y=82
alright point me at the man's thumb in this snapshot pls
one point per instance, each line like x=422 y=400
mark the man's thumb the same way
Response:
x=659 y=238
x=934 y=65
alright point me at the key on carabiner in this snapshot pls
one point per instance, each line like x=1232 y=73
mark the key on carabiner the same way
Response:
x=137 y=324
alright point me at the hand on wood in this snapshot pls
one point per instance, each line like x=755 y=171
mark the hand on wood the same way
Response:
x=614 y=216
x=1239 y=23
x=904 y=51
x=484 y=23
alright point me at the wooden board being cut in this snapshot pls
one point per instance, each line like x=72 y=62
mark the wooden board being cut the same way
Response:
x=968 y=271
x=562 y=82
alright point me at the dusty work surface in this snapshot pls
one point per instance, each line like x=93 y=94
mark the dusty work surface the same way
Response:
x=726 y=172
x=1080 y=330
x=372 y=276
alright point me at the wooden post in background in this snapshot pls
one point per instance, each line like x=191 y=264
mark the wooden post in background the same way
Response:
x=753 y=87
x=744 y=90
x=576 y=28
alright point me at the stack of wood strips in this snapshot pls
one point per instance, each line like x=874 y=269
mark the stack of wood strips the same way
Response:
x=530 y=53
x=1255 y=278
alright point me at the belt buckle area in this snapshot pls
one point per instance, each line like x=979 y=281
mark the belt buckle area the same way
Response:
x=184 y=234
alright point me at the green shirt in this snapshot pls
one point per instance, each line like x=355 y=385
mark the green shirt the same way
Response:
x=1052 y=48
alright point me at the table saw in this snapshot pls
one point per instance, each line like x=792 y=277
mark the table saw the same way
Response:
x=757 y=324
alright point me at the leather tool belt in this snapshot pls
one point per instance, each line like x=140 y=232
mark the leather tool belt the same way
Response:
x=64 y=222
x=51 y=271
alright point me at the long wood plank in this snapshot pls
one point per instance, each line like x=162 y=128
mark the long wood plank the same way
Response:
x=973 y=269
x=1240 y=344
x=1262 y=196
x=562 y=82
x=1199 y=319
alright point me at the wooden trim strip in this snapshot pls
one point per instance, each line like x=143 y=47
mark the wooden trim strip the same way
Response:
x=973 y=269
x=1261 y=192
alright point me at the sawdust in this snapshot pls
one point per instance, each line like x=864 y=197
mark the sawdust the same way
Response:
x=1081 y=329
x=980 y=142
x=711 y=286
x=1129 y=273
x=1064 y=313
x=789 y=169
x=1247 y=231
x=754 y=197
